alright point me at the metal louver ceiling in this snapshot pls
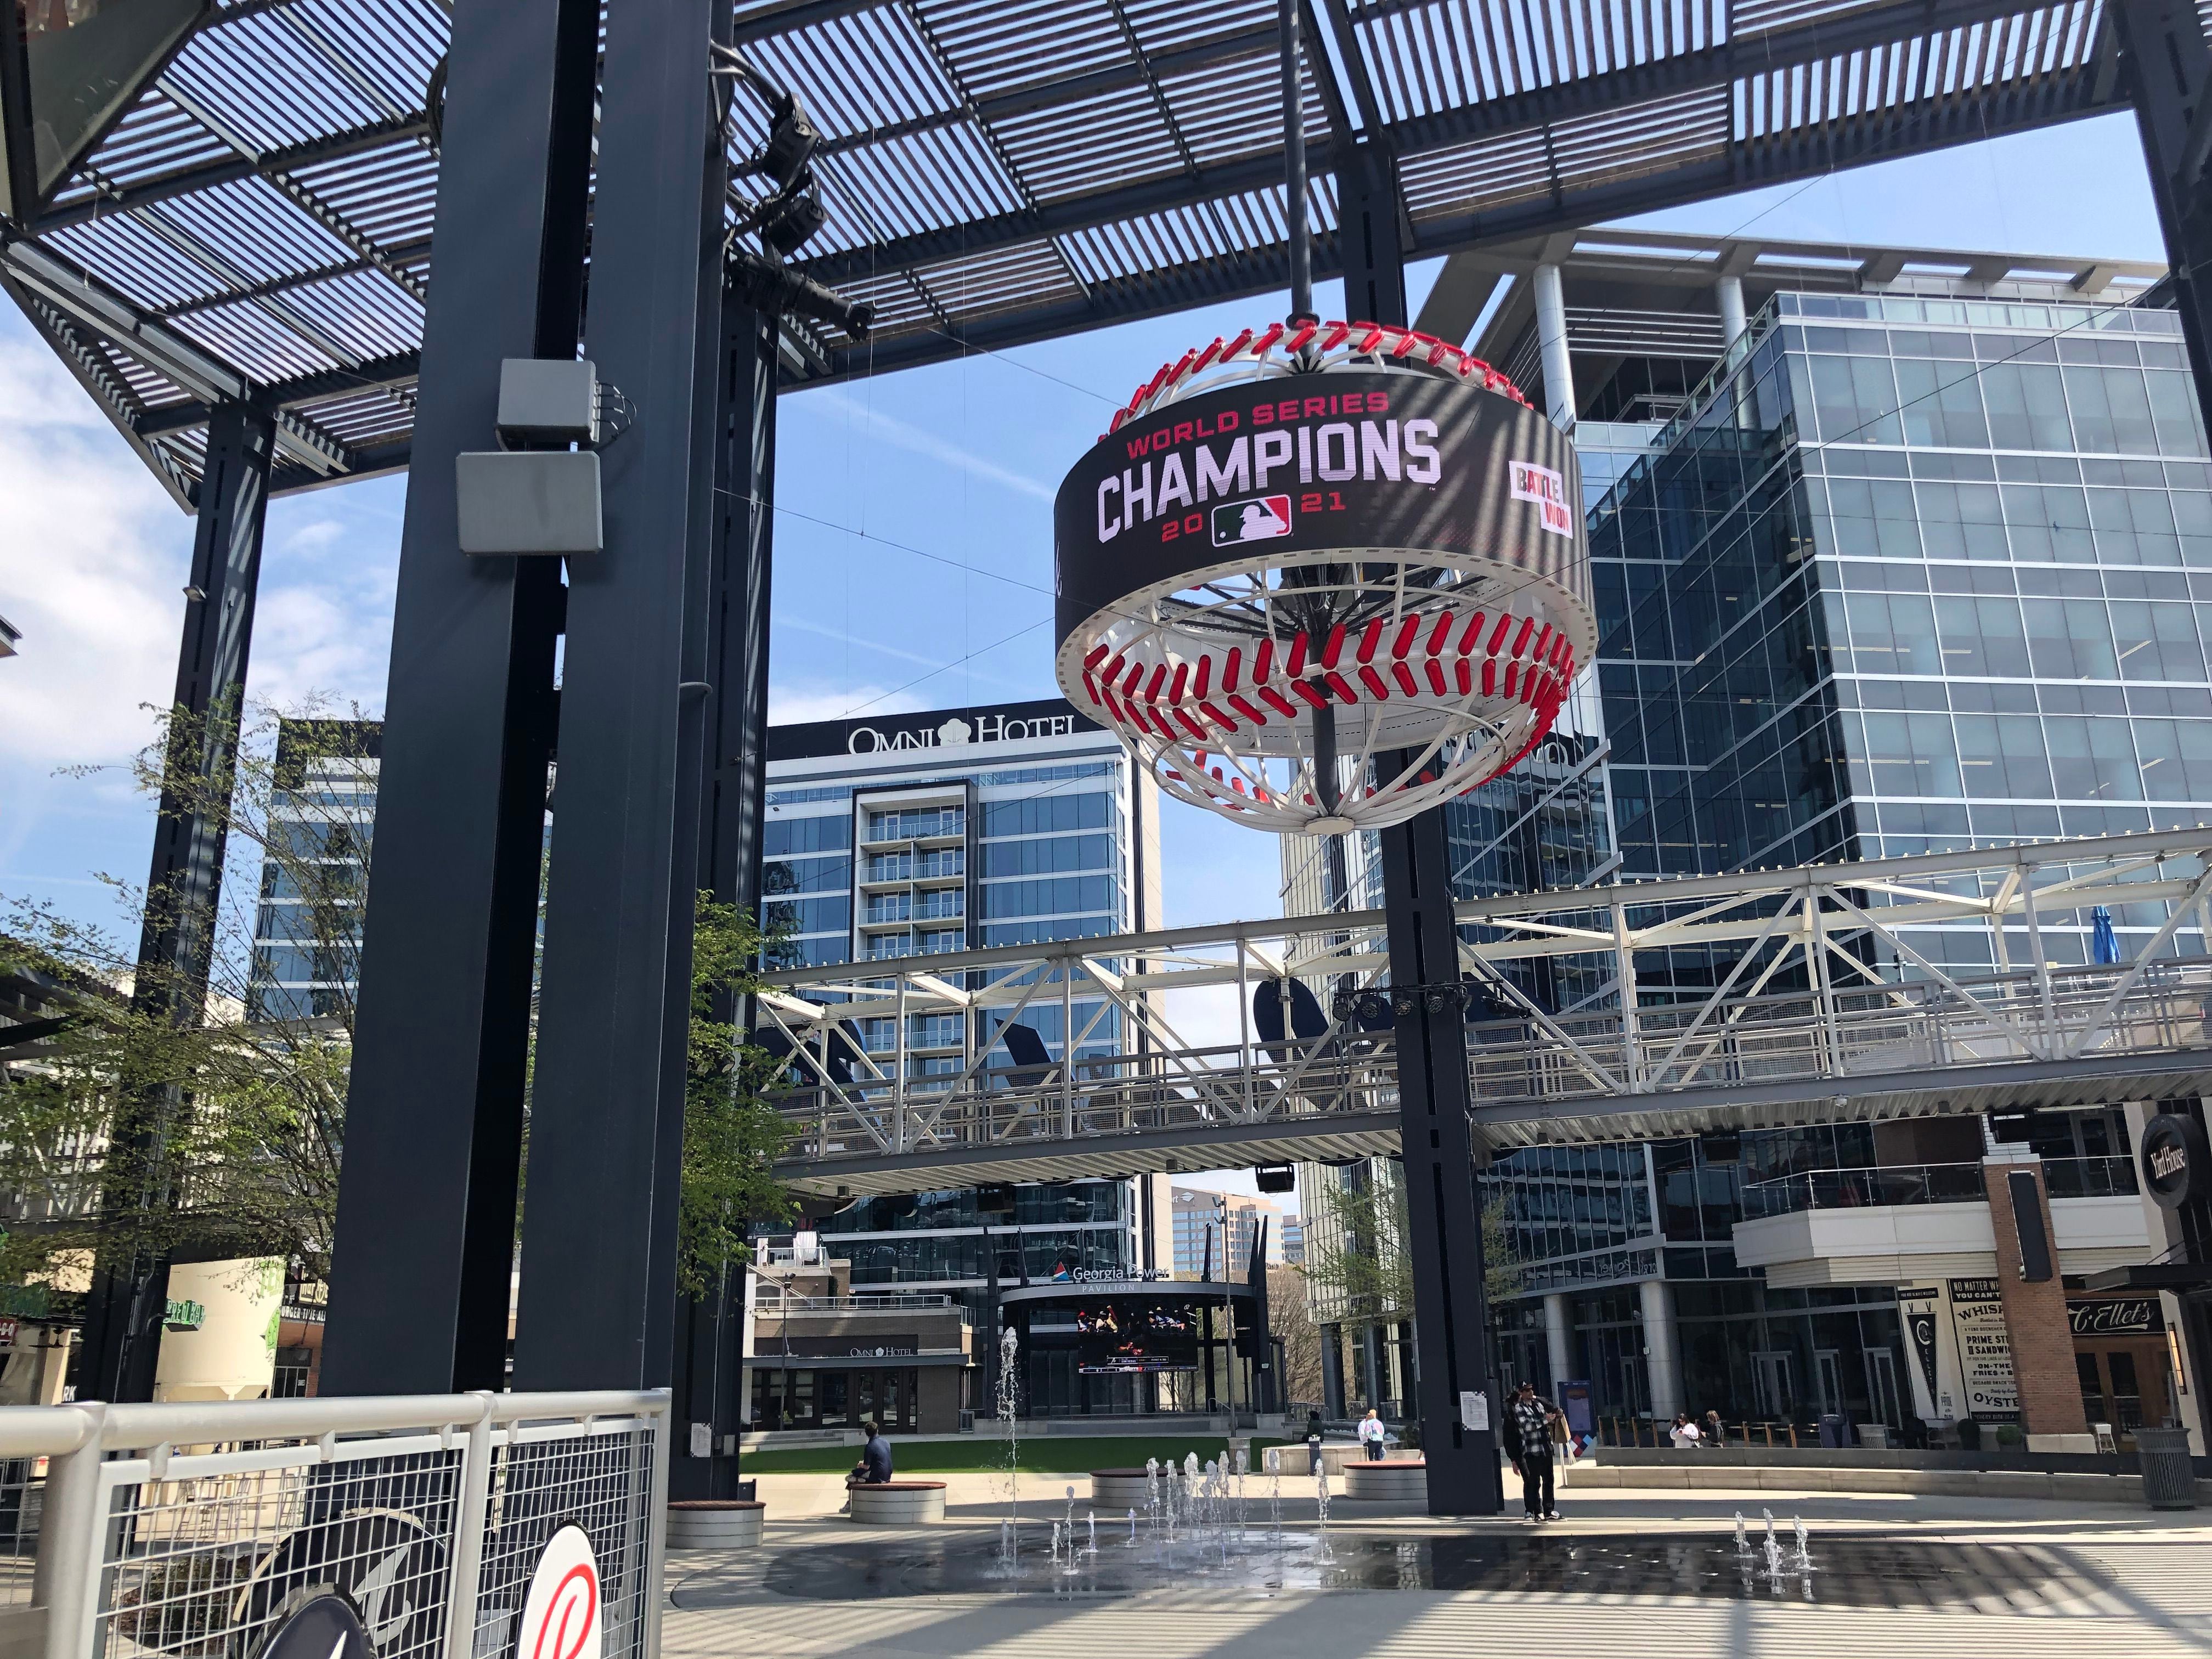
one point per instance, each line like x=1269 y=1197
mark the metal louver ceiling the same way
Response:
x=258 y=223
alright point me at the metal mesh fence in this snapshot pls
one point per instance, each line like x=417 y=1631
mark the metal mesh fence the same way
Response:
x=22 y=1506
x=598 y=1476
x=433 y=1530
x=205 y=1557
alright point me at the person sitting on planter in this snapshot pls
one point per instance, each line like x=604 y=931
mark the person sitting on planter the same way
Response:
x=874 y=1468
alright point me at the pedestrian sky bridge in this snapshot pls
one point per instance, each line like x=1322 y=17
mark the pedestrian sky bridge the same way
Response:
x=1949 y=982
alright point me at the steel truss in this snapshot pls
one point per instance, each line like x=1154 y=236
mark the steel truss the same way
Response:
x=1818 y=994
x=995 y=174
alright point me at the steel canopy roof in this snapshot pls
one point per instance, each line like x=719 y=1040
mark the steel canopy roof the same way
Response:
x=257 y=224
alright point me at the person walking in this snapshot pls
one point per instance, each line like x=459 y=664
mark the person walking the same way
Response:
x=1313 y=1442
x=1532 y=1418
x=1713 y=1435
x=1372 y=1434
x=1685 y=1434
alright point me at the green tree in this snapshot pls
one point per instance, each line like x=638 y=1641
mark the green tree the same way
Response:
x=246 y=1152
x=1358 y=1261
x=731 y=1135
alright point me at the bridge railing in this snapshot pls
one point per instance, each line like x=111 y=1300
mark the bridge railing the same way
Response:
x=1821 y=974
x=1840 y=1034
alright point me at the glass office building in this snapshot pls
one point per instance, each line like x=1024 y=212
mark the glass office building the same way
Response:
x=1913 y=565
x=322 y=812
x=1919 y=573
x=918 y=834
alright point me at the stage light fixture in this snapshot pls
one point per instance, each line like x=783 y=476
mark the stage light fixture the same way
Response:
x=767 y=285
x=791 y=143
x=791 y=226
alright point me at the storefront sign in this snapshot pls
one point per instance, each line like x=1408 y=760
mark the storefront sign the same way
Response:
x=2128 y=1315
x=1917 y=1308
x=1984 y=1351
x=900 y=1345
x=2177 y=1163
x=183 y=1315
x=958 y=731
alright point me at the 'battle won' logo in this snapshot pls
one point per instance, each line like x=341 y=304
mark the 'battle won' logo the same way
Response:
x=1548 y=490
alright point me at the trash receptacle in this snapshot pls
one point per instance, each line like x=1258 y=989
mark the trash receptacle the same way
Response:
x=1832 y=1430
x=2169 y=1477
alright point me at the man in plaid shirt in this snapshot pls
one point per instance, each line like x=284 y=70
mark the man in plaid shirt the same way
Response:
x=1532 y=1422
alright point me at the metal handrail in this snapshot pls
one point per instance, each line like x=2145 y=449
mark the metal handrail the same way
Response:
x=1779 y=1037
x=1861 y=1188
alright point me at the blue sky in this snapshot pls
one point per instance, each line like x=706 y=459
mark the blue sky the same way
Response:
x=959 y=461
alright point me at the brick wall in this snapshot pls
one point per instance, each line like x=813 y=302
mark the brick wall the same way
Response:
x=2035 y=1315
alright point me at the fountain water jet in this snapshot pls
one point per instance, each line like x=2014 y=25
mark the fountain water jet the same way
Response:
x=1009 y=1351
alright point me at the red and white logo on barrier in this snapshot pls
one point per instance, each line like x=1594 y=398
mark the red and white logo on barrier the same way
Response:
x=561 y=1619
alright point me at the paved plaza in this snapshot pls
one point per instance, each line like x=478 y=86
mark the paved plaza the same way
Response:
x=1902 y=1575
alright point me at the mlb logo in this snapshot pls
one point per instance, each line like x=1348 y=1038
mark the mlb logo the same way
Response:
x=1548 y=489
x=1262 y=519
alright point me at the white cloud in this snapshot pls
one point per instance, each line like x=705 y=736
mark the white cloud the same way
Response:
x=324 y=640
x=873 y=424
x=95 y=563
x=40 y=392
x=315 y=537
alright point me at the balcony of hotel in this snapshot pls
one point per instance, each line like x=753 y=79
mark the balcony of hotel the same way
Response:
x=929 y=827
x=1911 y=1223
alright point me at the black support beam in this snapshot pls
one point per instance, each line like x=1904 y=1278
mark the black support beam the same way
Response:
x=2168 y=67
x=710 y=1327
x=424 y=1251
x=1444 y=1219
x=129 y=1294
x=606 y=1121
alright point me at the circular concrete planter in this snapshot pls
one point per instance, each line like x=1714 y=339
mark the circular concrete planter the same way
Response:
x=1403 y=1481
x=899 y=1502
x=714 y=1524
x=1119 y=1490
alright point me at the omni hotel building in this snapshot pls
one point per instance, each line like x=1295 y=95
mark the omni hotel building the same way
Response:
x=907 y=835
x=1895 y=550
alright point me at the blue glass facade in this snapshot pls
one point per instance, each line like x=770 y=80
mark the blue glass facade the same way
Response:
x=930 y=846
x=322 y=819
x=1921 y=574
x=1912 y=573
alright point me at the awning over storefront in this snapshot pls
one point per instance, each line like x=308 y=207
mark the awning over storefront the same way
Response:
x=2179 y=1277
x=854 y=1362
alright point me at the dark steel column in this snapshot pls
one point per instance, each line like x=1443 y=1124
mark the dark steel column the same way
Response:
x=130 y=1288
x=745 y=491
x=599 y=1235
x=710 y=1329
x=1445 y=1223
x=1367 y=229
x=1435 y=1091
x=2168 y=67
x=426 y=1207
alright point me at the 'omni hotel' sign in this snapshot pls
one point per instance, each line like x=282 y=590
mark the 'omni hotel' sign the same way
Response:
x=937 y=729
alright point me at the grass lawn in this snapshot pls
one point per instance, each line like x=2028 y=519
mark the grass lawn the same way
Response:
x=1046 y=1454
